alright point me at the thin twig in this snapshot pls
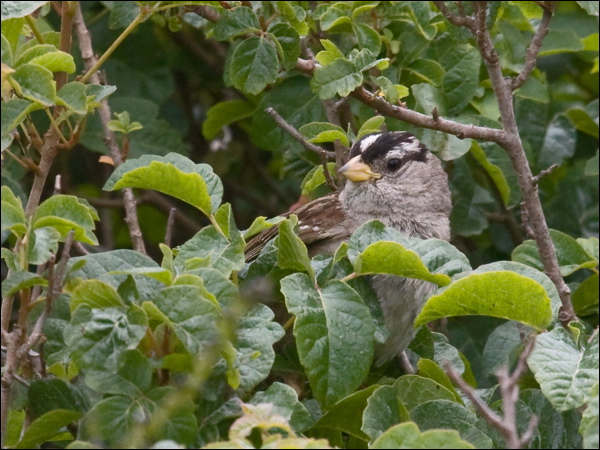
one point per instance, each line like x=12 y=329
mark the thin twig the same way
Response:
x=544 y=173
x=170 y=226
x=509 y=388
x=330 y=183
x=91 y=64
x=296 y=134
x=534 y=48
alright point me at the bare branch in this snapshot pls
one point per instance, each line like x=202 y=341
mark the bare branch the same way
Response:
x=90 y=61
x=459 y=21
x=330 y=183
x=281 y=122
x=534 y=47
x=509 y=388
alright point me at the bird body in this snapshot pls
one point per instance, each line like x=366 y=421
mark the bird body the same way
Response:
x=393 y=178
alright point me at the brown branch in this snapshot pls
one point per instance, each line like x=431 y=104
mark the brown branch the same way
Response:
x=510 y=141
x=90 y=60
x=509 y=389
x=170 y=226
x=544 y=173
x=459 y=21
x=534 y=47
x=281 y=122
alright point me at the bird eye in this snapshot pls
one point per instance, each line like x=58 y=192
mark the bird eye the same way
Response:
x=394 y=164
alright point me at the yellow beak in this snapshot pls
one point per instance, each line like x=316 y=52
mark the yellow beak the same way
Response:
x=356 y=170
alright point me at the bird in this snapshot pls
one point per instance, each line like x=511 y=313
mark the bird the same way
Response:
x=392 y=177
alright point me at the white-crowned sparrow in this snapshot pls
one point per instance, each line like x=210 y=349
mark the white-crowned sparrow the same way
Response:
x=392 y=177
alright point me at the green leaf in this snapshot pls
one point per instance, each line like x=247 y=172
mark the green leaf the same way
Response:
x=223 y=114
x=98 y=337
x=390 y=405
x=427 y=368
x=330 y=54
x=174 y=175
x=262 y=223
x=123 y=124
x=367 y=37
x=318 y=132
x=95 y=294
x=255 y=336
x=14 y=112
x=21 y=280
x=585 y=297
x=292 y=252
x=287 y=37
x=499 y=294
x=447 y=414
x=566 y=373
x=132 y=376
x=235 y=22
x=559 y=142
x=372 y=125
x=560 y=41
x=13 y=215
x=192 y=316
x=66 y=213
x=392 y=92
x=37 y=83
x=503 y=346
x=461 y=78
x=285 y=403
x=55 y=61
x=336 y=360
x=294 y=15
x=114 y=418
x=446 y=146
x=122 y=14
x=407 y=435
x=589 y=421
x=427 y=70
x=46 y=427
x=102 y=266
x=571 y=256
x=14 y=9
x=340 y=77
x=585 y=119
x=337 y=14
x=73 y=96
x=316 y=178
x=493 y=171
x=254 y=64
x=158 y=273
x=346 y=415
x=50 y=394
x=215 y=249
x=393 y=258
x=42 y=244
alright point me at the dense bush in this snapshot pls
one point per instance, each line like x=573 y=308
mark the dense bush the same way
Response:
x=160 y=334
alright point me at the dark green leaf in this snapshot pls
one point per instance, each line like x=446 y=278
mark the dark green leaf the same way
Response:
x=288 y=39
x=46 y=427
x=336 y=360
x=286 y=404
x=340 y=77
x=235 y=22
x=254 y=65
x=407 y=435
x=223 y=114
x=19 y=281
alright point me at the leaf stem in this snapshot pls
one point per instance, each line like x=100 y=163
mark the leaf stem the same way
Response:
x=139 y=19
x=34 y=28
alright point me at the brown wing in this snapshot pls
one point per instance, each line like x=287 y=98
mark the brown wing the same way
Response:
x=318 y=221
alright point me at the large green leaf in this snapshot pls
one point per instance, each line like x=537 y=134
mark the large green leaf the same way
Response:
x=450 y=415
x=393 y=258
x=13 y=215
x=66 y=213
x=114 y=417
x=292 y=253
x=174 y=175
x=14 y=9
x=407 y=435
x=289 y=41
x=340 y=77
x=334 y=335
x=98 y=337
x=37 y=83
x=95 y=294
x=565 y=370
x=21 y=280
x=132 y=376
x=14 y=112
x=500 y=294
x=255 y=336
x=46 y=427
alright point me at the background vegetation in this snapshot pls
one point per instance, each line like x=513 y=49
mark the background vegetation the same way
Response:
x=136 y=144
